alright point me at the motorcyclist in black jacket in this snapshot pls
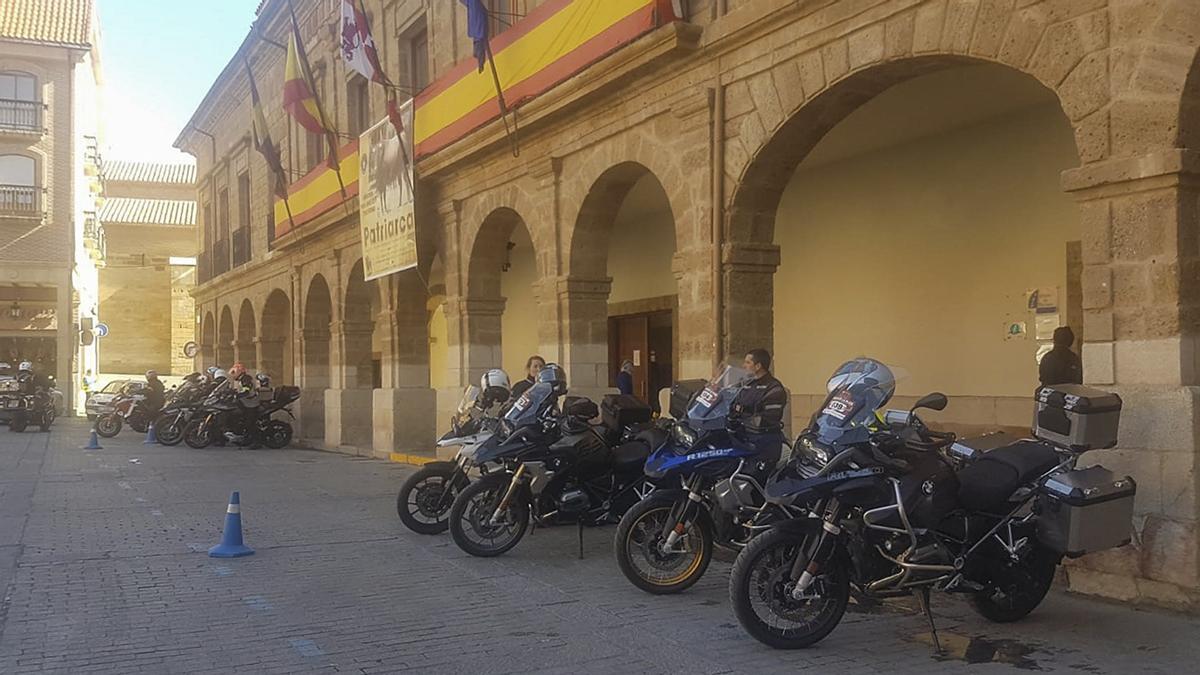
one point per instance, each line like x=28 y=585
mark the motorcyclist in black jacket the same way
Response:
x=246 y=389
x=156 y=394
x=34 y=385
x=759 y=408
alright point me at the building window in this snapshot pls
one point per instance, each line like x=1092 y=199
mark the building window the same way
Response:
x=18 y=184
x=418 y=48
x=244 y=199
x=358 y=103
x=222 y=214
x=19 y=107
x=501 y=15
x=210 y=228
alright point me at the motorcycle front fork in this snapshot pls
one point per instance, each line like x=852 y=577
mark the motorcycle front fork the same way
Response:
x=508 y=495
x=676 y=525
x=808 y=565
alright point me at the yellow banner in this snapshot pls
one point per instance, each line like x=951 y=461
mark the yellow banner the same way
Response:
x=318 y=191
x=386 y=200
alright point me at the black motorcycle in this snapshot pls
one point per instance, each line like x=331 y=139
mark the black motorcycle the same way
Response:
x=896 y=509
x=222 y=415
x=25 y=409
x=555 y=467
x=182 y=404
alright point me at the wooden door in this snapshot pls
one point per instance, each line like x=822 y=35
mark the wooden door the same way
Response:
x=629 y=338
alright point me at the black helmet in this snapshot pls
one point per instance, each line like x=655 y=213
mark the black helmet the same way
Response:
x=264 y=380
x=554 y=375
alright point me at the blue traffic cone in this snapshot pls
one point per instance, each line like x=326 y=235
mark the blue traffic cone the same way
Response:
x=93 y=442
x=231 y=545
x=151 y=436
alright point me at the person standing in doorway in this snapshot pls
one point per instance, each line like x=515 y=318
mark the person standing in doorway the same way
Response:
x=1060 y=365
x=625 y=378
x=533 y=366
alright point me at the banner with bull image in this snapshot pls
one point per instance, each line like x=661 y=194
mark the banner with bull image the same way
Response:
x=385 y=197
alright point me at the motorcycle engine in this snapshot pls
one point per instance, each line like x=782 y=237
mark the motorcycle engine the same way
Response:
x=573 y=500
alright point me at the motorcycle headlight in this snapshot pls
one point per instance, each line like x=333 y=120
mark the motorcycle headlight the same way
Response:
x=684 y=437
x=813 y=452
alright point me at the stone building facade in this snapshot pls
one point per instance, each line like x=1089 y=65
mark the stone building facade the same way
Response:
x=757 y=143
x=149 y=219
x=51 y=244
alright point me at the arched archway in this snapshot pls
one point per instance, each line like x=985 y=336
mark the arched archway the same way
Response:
x=318 y=313
x=208 y=341
x=275 y=345
x=622 y=249
x=362 y=343
x=246 y=333
x=916 y=207
x=502 y=328
x=226 y=334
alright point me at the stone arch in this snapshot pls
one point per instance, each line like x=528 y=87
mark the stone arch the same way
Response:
x=274 y=343
x=226 y=334
x=208 y=340
x=246 y=334
x=360 y=306
x=318 y=314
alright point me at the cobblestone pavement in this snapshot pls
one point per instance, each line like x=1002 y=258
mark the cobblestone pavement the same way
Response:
x=103 y=569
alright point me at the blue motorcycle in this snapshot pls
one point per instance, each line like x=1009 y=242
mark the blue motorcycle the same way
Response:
x=665 y=542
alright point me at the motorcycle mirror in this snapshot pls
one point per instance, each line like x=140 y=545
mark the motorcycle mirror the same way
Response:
x=934 y=401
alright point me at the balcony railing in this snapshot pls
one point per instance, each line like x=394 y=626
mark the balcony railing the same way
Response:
x=241 y=246
x=20 y=200
x=22 y=116
x=220 y=257
x=94 y=239
x=203 y=267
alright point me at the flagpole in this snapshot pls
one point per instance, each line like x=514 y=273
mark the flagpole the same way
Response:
x=511 y=133
x=387 y=84
x=257 y=103
x=303 y=59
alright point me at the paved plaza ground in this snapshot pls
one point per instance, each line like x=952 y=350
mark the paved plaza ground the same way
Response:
x=103 y=569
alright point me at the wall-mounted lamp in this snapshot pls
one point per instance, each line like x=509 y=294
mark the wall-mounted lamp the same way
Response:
x=14 y=311
x=508 y=257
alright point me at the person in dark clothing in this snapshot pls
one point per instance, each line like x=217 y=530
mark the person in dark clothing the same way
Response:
x=156 y=393
x=759 y=408
x=533 y=366
x=625 y=377
x=1060 y=365
x=246 y=389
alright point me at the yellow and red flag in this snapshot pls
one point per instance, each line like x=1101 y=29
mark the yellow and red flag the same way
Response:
x=298 y=98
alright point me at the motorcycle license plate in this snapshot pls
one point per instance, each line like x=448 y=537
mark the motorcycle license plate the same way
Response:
x=840 y=406
x=12 y=403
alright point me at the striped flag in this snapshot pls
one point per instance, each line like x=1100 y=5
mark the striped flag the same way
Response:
x=298 y=98
x=262 y=139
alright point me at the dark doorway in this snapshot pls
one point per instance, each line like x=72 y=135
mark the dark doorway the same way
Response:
x=647 y=340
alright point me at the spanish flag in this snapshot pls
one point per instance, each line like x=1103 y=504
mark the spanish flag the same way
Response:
x=298 y=98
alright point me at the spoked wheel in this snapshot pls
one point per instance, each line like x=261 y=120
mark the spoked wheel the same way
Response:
x=47 y=419
x=197 y=435
x=641 y=549
x=760 y=588
x=108 y=425
x=169 y=429
x=1019 y=587
x=471 y=523
x=277 y=435
x=424 y=500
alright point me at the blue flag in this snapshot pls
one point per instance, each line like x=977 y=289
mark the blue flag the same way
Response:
x=477 y=28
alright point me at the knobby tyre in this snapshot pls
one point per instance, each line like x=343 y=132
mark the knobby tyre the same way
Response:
x=639 y=540
x=760 y=591
x=425 y=499
x=470 y=518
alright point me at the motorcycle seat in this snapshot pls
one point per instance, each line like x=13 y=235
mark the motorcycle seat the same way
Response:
x=630 y=456
x=988 y=482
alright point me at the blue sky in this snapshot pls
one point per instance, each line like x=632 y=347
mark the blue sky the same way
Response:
x=159 y=58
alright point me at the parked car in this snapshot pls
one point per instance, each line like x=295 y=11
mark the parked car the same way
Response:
x=8 y=389
x=101 y=402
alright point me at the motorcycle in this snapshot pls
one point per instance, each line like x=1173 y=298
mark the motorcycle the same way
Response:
x=221 y=414
x=128 y=408
x=424 y=500
x=665 y=542
x=181 y=406
x=895 y=508
x=553 y=467
x=26 y=409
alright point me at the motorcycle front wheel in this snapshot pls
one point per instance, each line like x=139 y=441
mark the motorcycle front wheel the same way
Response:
x=108 y=425
x=639 y=545
x=424 y=500
x=277 y=435
x=760 y=588
x=18 y=422
x=47 y=419
x=471 y=524
x=1017 y=588
x=198 y=435
x=169 y=429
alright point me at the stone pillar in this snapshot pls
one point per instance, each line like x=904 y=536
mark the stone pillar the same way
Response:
x=473 y=332
x=348 y=404
x=1141 y=292
x=583 y=308
x=314 y=380
x=405 y=409
x=246 y=352
x=748 y=272
x=694 y=330
x=269 y=357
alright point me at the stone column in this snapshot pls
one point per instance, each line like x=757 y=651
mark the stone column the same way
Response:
x=246 y=351
x=348 y=403
x=269 y=357
x=748 y=272
x=1141 y=293
x=314 y=380
x=405 y=409
x=695 y=339
x=474 y=333
x=583 y=308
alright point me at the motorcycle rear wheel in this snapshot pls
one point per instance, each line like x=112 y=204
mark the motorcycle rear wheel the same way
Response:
x=762 y=573
x=472 y=511
x=108 y=425
x=1020 y=590
x=423 y=503
x=47 y=419
x=197 y=437
x=637 y=546
x=277 y=435
x=169 y=429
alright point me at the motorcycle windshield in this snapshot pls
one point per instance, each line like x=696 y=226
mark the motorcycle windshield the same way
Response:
x=526 y=409
x=470 y=395
x=857 y=390
x=713 y=402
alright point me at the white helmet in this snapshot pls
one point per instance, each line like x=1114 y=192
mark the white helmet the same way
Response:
x=494 y=384
x=219 y=374
x=25 y=365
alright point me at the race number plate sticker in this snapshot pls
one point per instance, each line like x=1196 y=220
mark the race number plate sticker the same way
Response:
x=708 y=396
x=840 y=406
x=522 y=403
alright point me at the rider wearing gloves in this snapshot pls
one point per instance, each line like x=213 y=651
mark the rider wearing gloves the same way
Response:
x=156 y=393
x=759 y=408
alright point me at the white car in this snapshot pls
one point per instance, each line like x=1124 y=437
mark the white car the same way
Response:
x=100 y=402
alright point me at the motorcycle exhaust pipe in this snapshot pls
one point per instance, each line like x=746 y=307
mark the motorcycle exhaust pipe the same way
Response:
x=508 y=495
